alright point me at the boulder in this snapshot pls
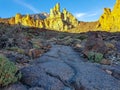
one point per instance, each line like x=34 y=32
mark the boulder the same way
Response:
x=106 y=62
x=94 y=43
x=34 y=53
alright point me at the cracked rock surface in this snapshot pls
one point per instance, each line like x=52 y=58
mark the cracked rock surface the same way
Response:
x=64 y=69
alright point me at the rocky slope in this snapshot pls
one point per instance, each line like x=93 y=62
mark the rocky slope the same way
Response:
x=51 y=60
x=63 y=69
x=84 y=27
x=110 y=20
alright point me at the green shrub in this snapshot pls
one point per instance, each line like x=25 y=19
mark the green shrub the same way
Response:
x=81 y=37
x=16 y=49
x=8 y=71
x=95 y=57
x=61 y=36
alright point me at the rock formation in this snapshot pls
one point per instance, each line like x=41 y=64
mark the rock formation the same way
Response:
x=40 y=15
x=60 y=20
x=110 y=20
x=56 y=20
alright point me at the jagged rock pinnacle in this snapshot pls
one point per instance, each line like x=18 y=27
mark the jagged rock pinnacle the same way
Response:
x=57 y=20
x=110 y=20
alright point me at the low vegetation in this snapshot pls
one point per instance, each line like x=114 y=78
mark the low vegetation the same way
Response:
x=8 y=72
x=95 y=57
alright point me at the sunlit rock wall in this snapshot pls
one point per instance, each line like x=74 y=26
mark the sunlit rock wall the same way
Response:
x=110 y=20
x=56 y=20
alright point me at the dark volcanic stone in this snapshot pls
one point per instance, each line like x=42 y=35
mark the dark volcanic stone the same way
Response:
x=118 y=46
x=35 y=76
x=95 y=43
x=16 y=86
x=62 y=69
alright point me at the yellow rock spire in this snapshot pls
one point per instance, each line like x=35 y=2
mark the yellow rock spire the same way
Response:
x=110 y=20
x=57 y=20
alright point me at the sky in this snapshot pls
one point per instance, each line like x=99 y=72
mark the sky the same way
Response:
x=83 y=10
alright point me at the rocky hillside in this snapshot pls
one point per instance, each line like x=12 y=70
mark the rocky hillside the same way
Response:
x=84 y=27
x=110 y=20
x=52 y=60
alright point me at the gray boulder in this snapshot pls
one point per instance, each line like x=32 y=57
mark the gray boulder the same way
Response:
x=16 y=86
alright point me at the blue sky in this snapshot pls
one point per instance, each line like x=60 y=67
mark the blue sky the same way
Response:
x=84 y=10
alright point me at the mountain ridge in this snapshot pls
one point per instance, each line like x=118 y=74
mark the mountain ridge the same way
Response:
x=64 y=21
x=56 y=20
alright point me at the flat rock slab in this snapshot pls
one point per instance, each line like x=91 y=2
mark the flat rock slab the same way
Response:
x=91 y=77
x=61 y=53
x=63 y=69
x=58 y=69
x=35 y=76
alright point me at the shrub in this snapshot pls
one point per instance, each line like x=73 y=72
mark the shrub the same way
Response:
x=8 y=71
x=16 y=49
x=95 y=57
x=81 y=37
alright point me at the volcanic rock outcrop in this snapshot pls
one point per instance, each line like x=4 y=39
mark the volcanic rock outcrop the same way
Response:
x=110 y=20
x=56 y=20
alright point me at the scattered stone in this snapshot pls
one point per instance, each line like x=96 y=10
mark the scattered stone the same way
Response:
x=35 y=53
x=115 y=69
x=109 y=72
x=106 y=62
x=78 y=46
x=110 y=46
x=18 y=58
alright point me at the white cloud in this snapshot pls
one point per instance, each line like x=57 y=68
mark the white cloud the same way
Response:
x=83 y=15
x=88 y=16
x=80 y=15
x=30 y=7
x=91 y=14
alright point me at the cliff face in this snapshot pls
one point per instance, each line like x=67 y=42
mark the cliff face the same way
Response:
x=56 y=20
x=110 y=20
